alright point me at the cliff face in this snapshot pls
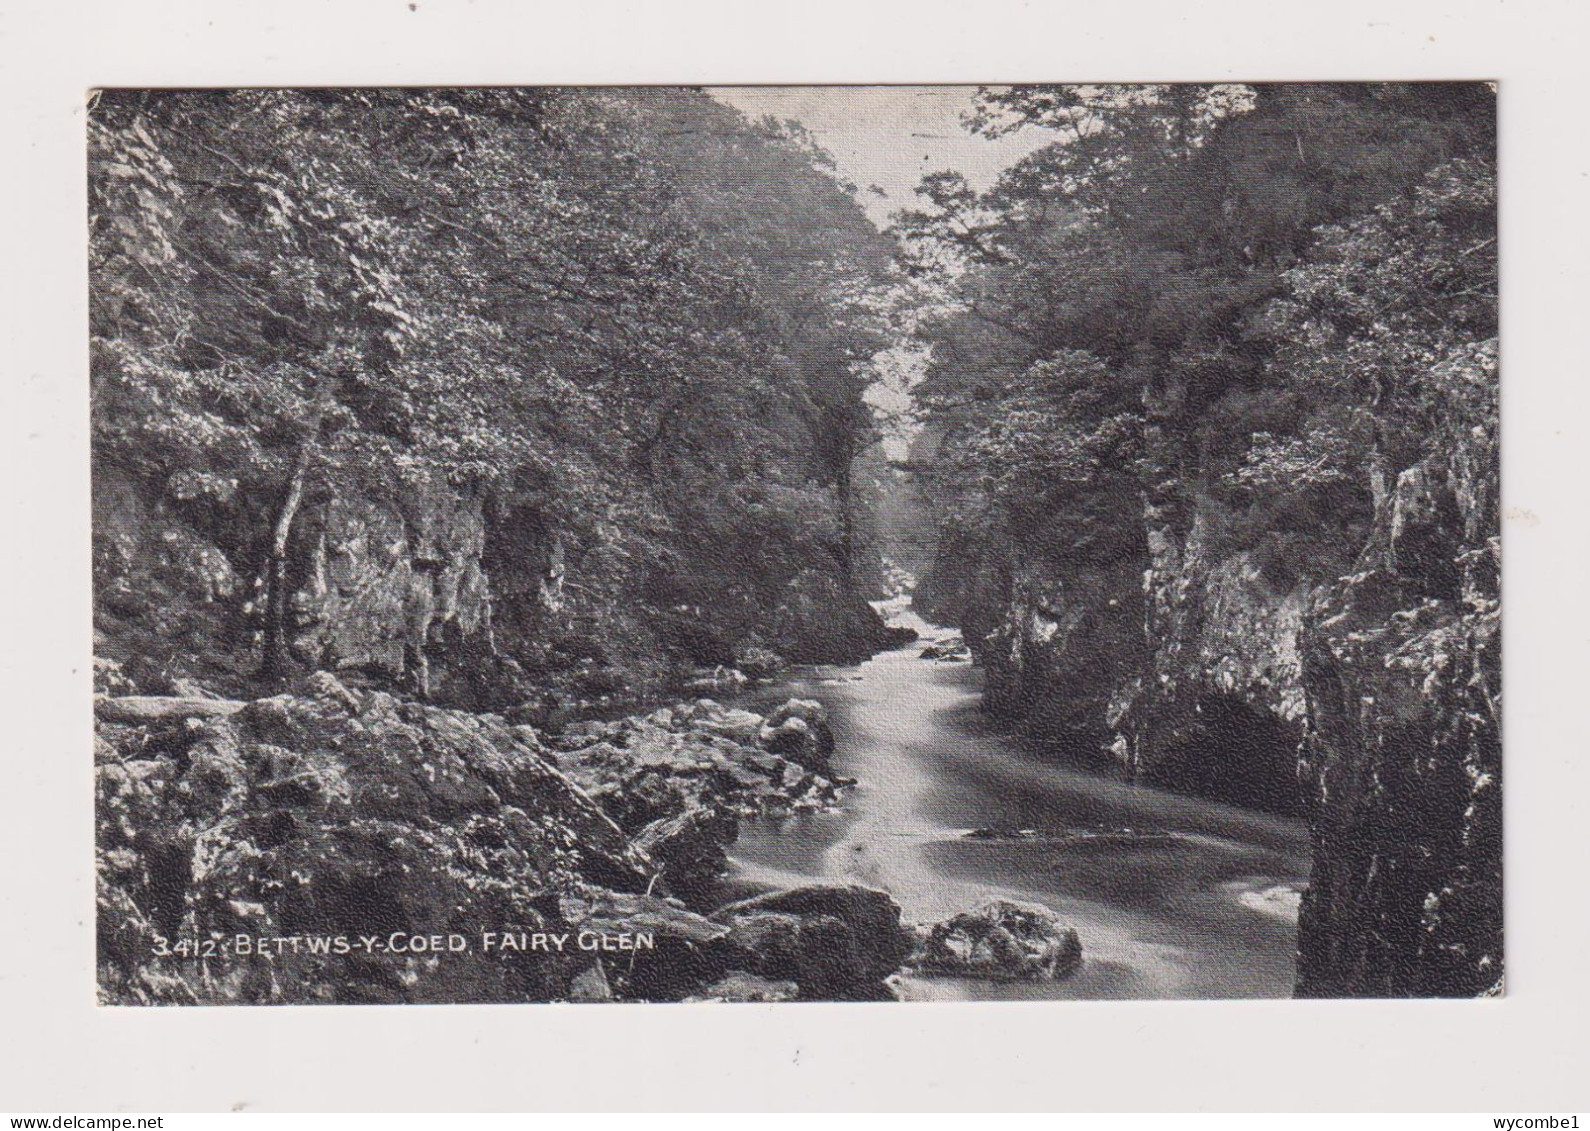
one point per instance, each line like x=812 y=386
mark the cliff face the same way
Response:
x=426 y=589
x=1401 y=666
x=1186 y=673
x=392 y=585
x=384 y=585
x=1368 y=705
x=1052 y=638
x=1218 y=709
x=1052 y=611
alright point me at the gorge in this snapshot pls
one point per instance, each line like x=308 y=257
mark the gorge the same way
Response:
x=496 y=529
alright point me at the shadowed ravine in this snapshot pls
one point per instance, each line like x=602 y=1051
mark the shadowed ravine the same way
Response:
x=1195 y=900
x=439 y=498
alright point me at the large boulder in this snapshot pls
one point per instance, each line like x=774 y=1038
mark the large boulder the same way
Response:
x=758 y=662
x=717 y=681
x=391 y=582
x=740 y=986
x=1003 y=939
x=818 y=952
x=799 y=731
x=694 y=755
x=728 y=722
x=689 y=847
x=951 y=648
x=837 y=943
x=665 y=950
x=328 y=815
x=820 y=619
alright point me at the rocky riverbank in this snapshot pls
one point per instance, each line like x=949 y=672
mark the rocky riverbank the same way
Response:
x=332 y=845
x=1367 y=704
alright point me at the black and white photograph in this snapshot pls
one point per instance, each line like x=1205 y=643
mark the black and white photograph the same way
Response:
x=786 y=544
x=902 y=557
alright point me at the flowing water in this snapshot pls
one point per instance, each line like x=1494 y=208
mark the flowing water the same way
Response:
x=1173 y=897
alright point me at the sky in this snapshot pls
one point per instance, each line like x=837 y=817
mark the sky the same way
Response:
x=889 y=136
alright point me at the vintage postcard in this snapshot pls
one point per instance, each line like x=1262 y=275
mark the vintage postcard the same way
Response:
x=789 y=544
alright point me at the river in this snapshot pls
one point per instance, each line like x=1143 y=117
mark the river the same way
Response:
x=1173 y=896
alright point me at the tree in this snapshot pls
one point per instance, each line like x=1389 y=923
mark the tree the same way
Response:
x=619 y=318
x=1173 y=234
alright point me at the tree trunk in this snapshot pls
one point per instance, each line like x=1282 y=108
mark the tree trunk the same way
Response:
x=278 y=658
x=1379 y=484
x=847 y=525
x=140 y=709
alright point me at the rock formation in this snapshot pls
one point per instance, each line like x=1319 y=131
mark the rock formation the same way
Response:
x=1003 y=939
x=1368 y=705
x=329 y=814
x=1401 y=666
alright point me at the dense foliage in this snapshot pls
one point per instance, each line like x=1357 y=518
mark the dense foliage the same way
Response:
x=1235 y=295
x=633 y=324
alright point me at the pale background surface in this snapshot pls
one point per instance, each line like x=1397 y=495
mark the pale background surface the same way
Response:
x=58 y=1052
x=884 y=139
